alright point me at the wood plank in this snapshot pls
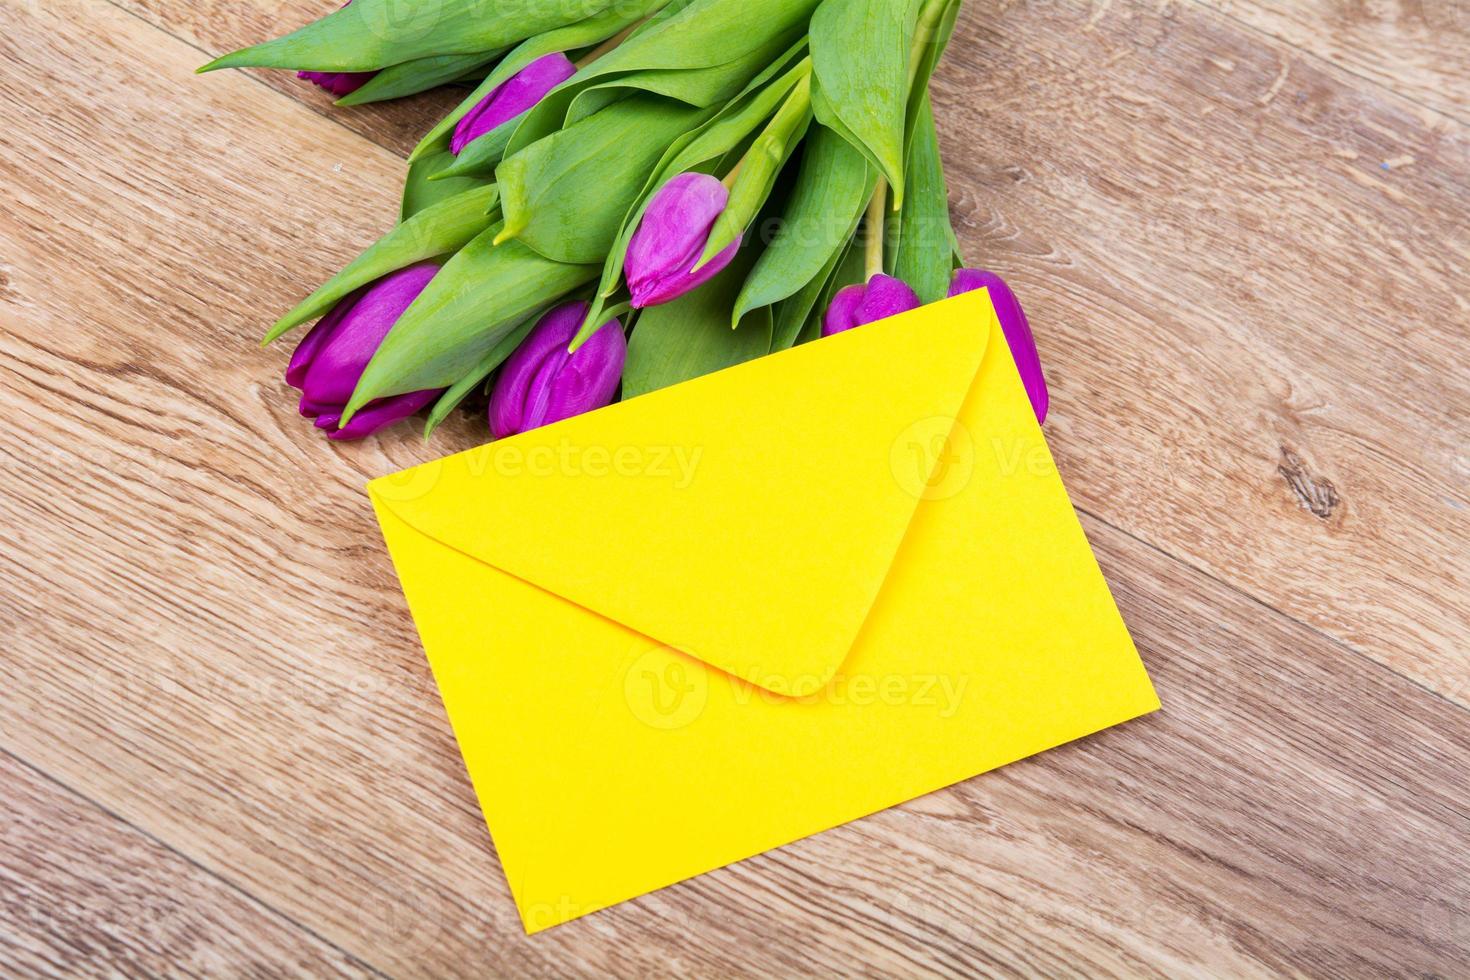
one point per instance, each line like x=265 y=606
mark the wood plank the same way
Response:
x=1414 y=47
x=84 y=894
x=204 y=634
x=1258 y=320
x=217 y=26
x=1253 y=332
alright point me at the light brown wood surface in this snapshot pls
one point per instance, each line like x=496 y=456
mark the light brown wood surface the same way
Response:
x=1241 y=231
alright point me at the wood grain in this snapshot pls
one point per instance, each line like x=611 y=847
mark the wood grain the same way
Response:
x=1414 y=47
x=214 y=27
x=83 y=894
x=204 y=636
x=1211 y=225
x=1239 y=302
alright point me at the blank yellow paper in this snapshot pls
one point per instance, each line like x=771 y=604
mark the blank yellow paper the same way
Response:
x=715 y=619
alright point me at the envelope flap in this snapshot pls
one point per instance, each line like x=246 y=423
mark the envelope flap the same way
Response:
x=747 y=518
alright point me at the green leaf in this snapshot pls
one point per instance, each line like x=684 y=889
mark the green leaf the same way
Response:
x=370 y=34
x=460 y=390
x=792 y=313
x=415 y=76
x=725 y=131
x=423 y=189
x=565 y=195
x=599 y=27
x=737 y=119
x=847 y=271
x=663 y=13
x=691 y=335
x=760 y=166
x=478 y=298
x=708 y=33
x=833 y=185
x=702 y=54
x=699 y=87
x=436 y=231
x=860 y=77
x=479 y=157
x=921 y=257
x=931 y=36
x=702 y=87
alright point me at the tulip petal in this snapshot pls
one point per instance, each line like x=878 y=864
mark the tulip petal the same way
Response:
x=513 y=385
x=511 y=98
x=671 y=237
x=881 y=297
x=316 y=338
x=885 y=297
x=533 y=412
x=675 y=285
x=339 y=362
x=842 y=311
x=339 y=83
x=541 y=383
x=383 y=412
x=310 y=409
x=1015 y=328
x=589 y=378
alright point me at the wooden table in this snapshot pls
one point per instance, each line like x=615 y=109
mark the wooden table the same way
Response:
x=1242 y=231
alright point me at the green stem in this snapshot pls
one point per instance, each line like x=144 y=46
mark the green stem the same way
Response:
x=873 y=247
x=929 y=17
x=613 y=311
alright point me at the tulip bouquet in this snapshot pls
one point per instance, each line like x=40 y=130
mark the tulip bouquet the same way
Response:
x=631 y=194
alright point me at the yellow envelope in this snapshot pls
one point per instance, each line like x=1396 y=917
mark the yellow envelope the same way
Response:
x=709 y=621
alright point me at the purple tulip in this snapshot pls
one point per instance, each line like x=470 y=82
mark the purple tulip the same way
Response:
x=671 y=238
x=339 y=83
x=329 y=361
x=1015 y=328
x=881 y=297
x=541 y=383
x=511 y=98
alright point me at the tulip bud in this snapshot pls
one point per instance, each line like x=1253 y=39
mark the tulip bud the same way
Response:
x=541 y=383
x=881 y=297
x=339 y=83
x=511 y=98
x=671 y=238
x=331 y=358
x=1015 y=328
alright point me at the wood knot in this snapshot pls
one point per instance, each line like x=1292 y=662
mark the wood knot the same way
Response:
x=1314 y=493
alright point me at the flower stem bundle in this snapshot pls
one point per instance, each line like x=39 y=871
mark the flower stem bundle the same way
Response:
x=630 y=194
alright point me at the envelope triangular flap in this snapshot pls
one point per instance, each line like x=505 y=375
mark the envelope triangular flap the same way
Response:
x=680 y=513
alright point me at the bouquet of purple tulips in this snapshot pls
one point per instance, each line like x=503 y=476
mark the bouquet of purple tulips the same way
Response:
x=634 y=193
